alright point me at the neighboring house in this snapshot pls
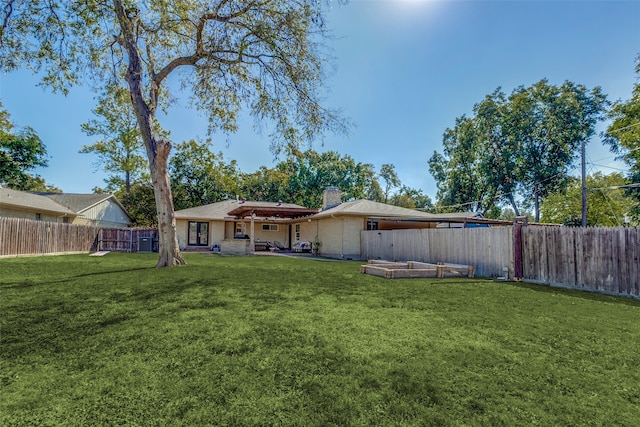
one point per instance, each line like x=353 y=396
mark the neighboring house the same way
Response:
x=21 y=204
x=102 y=210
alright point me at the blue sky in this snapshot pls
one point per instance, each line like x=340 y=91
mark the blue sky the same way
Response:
x=404 y=70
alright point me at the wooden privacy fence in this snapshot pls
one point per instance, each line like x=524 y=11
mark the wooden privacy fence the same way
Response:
x=599 y=259
x=488 y=249
x=21 y=237
x=127 y=239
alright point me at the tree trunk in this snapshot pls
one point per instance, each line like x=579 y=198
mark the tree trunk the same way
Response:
x=169 y=251
x=157 y=150
x=514 y=205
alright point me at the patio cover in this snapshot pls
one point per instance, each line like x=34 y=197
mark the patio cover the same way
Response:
x=271 y=210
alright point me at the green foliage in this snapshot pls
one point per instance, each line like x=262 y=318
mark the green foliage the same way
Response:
x=113 y=341
x=623 y=138
x=390 y=178
x=607 y=205
x=552 y=123
x=21 y=151
x=311 y=172
x=265 y=56
x=411 y=198
x=265 y=184
x=121 y=151
x=199 y=176
x=521 y=145
x=140 y=203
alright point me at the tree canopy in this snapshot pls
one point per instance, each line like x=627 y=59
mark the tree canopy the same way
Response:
x=266 y=56
x=120 y=151
x=21 y=151
x=608 y=205
x=516 y=147
x=623 y=138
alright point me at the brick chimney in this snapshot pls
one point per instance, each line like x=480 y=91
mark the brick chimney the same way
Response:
x=331 y=197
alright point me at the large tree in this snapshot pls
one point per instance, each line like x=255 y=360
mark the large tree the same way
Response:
x=461 y=182
x=521 y=145
x=120 y=150
x=550 y=124
x=623 y=138
x=21 y=151
x=266 y=55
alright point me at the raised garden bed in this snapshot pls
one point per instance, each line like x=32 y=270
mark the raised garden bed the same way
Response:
x=414 y=269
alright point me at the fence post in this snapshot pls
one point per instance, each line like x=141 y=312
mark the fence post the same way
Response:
x=518 y=223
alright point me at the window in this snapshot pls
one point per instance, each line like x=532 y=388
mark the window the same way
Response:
x=38 y=217
x=239 y=228
x=65 y=220
x=372 y=225
x=297 y=232
x=198 y=233
x=270 y=227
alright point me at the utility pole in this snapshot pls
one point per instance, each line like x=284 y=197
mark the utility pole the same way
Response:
x=584 y=186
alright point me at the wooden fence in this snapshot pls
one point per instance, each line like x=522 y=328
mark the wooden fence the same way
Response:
x=127 y=239
x=597 y=259
x=489 y=249
x=23 y=237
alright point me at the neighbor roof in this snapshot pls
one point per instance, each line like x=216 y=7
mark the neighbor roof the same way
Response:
x=32 y=201
x=363 y=207
x=80 y=203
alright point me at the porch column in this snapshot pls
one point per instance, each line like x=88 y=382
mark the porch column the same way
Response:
x=252 y=248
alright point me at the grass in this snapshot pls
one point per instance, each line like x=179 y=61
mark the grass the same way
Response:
x=282 y=341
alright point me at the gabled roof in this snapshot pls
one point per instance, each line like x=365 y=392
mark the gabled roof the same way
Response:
x=239 y=209
x=363 y=207
x=31 y=201
x=80 y=203
x=77 y=202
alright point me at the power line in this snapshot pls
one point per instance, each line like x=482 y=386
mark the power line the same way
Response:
x=626 y=127
x=616 y=187
x=609 y=167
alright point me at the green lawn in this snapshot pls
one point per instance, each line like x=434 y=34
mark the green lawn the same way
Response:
x=282 y=341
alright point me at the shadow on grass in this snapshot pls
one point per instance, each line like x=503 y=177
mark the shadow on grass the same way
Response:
x=48 y=281
x=578 y=293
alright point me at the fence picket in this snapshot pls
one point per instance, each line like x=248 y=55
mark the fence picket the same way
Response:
x=598 y=259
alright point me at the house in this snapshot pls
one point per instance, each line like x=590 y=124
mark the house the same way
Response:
x=242 y=227
x=234 y=225
x=22 y=204
x=102 y=210
x=337 y=227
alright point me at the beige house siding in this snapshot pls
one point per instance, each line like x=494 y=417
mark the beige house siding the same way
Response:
x=105 y=214
x=225 y=230
x=339 y=236
x=215 y=236
x=19 y=213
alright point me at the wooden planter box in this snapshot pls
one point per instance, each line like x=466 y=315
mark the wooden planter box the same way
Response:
x=414 y=269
